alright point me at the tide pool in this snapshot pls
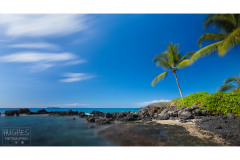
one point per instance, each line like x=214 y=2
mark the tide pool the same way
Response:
x=54 y=130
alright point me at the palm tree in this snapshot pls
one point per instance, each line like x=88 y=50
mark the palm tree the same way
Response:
x=230 y=87
x=229 y=25
x=170 y=59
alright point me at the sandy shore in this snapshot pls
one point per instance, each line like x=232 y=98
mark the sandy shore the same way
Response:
x=193 y=130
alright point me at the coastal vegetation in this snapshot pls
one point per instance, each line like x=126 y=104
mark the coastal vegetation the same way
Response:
x=171 y=60
x=214 y=103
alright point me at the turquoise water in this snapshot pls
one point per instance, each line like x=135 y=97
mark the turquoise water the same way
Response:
x=86 y=110
x=55 y=130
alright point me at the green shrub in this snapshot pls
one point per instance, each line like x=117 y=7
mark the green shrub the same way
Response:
x=216 y=103
x=223 y=103
x=189 y=100
x=177 y=100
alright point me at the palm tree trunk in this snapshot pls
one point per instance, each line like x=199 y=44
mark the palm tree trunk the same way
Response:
x=178 y=83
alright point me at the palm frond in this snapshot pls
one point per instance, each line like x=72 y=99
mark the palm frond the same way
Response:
x=171 y=50
x=159 y=56
x=186 y=56
x=163 y=63
x=223 y=21
x=230 y=41
x=211 y=37
x=176 y=54
x=159 y=77
x=185 y=63
x=232 y=79
x=226 y=87
x=206 y=51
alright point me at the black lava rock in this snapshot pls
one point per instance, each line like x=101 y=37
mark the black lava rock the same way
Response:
x=9 y=113
x=81 y=114
x=24 y=111
x=108 y=115
x=42 y=111
x=163 y=116
x=91 y=119
x=230 y=116
x=97 y=113
x=185 y=115
x=102 y=121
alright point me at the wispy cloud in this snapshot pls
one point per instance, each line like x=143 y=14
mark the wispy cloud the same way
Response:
x=74 y=77
x=26 y=57
x=41 y=25
x=151 y=102
x=40 y=61
x=42 y=45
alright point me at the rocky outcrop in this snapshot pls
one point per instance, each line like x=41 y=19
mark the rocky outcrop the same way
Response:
x=153 y=110
x=185 y=115
x=42 y=111
x=90 y=119
x=17 y=112
x=158 y=111
x=24 y=111
x=102 y=121
x=9 y=113
x=97 y=114
x=81 y=114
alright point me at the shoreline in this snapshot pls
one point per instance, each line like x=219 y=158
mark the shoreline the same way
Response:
x=154 y=126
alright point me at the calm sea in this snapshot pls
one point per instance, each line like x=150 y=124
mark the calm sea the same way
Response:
x=47 y=130
x=86 y=110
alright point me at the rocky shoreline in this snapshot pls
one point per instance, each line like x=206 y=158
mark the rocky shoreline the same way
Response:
x=225 y=126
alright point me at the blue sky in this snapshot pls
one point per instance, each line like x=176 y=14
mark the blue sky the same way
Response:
x=101 y=60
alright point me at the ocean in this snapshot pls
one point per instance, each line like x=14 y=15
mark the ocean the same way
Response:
x=86 y=110
x=44 y=130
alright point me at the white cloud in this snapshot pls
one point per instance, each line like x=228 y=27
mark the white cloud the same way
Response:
x=74 y=77
x=41 y=61
x=151 y=102
x=39 y=25
x=42 y=45
x=26 y=57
